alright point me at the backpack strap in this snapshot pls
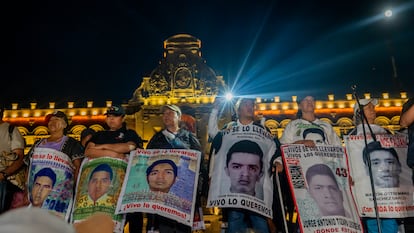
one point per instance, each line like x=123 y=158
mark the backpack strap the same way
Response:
x=11 y=128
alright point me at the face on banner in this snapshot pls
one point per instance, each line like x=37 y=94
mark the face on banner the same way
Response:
x=244 y=168
x=100 y=181
x=161 y=175
x=385 y=168
x=324 y=189
x=44 y=181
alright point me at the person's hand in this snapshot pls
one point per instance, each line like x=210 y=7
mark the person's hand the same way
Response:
x=277 y=167
x=308 y=143
x=97 y=223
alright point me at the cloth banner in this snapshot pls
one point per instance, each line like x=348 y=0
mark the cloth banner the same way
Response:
x=161 y=181
x=243 y=179
x=391 y=175
x=51 y=181
x=319 y=179
x=98 y=188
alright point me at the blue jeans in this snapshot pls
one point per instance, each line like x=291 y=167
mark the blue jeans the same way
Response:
x=241 y=220
x=388 y=225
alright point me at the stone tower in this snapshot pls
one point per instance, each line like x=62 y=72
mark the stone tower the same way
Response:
x=182 y=78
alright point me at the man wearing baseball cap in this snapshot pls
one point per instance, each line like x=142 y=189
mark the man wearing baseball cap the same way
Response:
x=116 y=142
x=171 y=137
x=366 y=107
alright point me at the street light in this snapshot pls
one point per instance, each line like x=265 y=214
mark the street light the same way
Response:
x=388 y=13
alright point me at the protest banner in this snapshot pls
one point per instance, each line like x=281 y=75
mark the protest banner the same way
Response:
x=98 y=188
x=319 y=179
x=391 y=175
x=51 y=181
x=247 y=149
x=161 y=181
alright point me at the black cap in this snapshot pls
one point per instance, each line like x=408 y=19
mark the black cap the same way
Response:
x=59 y=114
x=115 y=110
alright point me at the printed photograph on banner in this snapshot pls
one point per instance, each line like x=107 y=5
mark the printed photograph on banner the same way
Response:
x=99 y=185
x=391 y=175
x=319 y=179
x=240 y=176
x=162 y=181
x=51 y=181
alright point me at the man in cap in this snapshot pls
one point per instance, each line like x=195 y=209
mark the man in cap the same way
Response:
x=171 y=137
x=116 y=142
x=364 y=115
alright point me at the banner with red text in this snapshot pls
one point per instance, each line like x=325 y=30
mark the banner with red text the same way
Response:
x=319 y=179
x=161 y=181
x=98 y=188
x=391 y=175
x=240 y=169
x=51 y=181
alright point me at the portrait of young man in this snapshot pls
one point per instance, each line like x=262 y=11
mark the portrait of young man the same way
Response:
x=44 y=181
x=99 y=183
x=385 y=165
x=244 y=167
x=324 y=190
x=161 y=175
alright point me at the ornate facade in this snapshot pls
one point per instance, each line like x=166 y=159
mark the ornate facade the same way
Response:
x=183 y=78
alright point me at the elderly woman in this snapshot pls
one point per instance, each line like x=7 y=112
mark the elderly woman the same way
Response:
x=364 y=116
x=63 y=155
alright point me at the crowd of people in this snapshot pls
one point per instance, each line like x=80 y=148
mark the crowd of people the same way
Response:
x=247 y=164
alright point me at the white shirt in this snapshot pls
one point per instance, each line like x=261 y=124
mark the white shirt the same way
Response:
x=294 y=131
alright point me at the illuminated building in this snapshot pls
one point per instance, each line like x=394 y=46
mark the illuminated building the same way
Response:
x=183 y=78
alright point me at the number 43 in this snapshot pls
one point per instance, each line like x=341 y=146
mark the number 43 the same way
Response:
x=341 y=172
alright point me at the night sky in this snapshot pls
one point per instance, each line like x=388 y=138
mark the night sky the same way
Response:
x=99 y=50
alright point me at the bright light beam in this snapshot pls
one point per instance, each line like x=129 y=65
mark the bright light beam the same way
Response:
x=388 y=13
x=229 y=96
x=251 y=49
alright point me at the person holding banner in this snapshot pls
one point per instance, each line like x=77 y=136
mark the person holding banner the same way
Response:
x=116 y=142
x=171 y=137
x=60 y=154
x=364 y=118
x=308 y=130
x=247 y=165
